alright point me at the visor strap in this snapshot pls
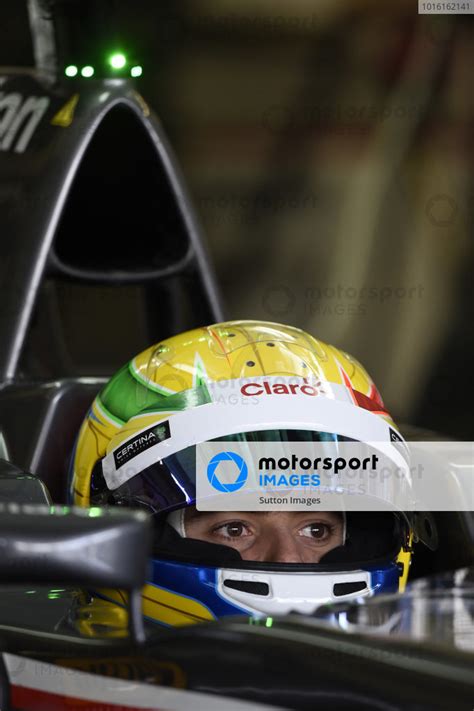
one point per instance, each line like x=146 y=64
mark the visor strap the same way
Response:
x=176 y=521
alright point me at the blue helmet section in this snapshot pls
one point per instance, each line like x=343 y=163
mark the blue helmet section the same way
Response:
x=195 y=582
x=200 y=583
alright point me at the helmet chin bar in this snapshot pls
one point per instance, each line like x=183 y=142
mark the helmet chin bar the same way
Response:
x=281 y=593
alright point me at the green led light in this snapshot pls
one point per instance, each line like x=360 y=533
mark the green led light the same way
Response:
x=117 y=60
x=71 y=70
x=269 y=622
x=136 y=71
x=95 y=511
x=59 y=510
x=87 y=71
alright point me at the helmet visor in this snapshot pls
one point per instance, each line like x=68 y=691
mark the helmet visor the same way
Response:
x=170 y=483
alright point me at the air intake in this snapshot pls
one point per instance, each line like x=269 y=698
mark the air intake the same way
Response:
x=248 y=586
x=341 y=589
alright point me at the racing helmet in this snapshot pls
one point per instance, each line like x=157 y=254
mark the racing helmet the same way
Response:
x=237 y=381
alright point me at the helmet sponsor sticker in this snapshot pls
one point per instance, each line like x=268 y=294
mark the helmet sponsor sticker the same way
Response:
x=272 y=386
x=394 y=436
x=141 y=442
x=249 y=390
x=245 y=389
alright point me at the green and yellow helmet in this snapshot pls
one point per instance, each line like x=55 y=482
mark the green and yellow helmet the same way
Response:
x=168 y=392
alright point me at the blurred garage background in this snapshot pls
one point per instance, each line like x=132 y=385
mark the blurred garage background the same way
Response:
x=328 y=148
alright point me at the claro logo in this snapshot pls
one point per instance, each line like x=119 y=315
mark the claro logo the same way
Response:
x=268 y=388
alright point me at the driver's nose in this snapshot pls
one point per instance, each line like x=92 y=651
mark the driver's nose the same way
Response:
x=283 y=548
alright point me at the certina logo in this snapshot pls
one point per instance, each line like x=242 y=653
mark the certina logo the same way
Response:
x=268 y=388
x=141 y=442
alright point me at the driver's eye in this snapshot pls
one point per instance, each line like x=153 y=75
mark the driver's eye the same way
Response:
x=234 y=530
x=318 y=530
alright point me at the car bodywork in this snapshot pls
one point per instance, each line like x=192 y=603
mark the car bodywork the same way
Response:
x=55 y=654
